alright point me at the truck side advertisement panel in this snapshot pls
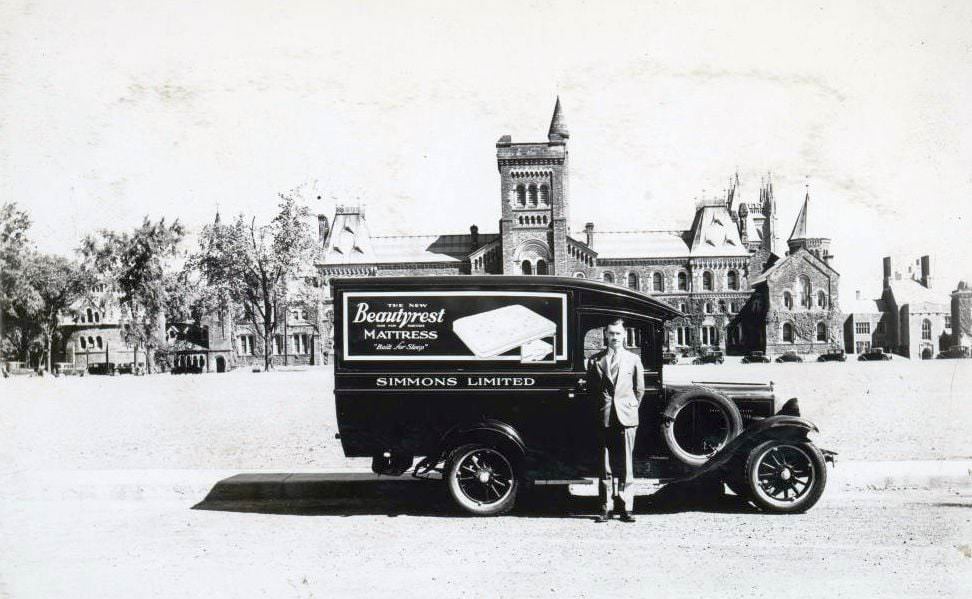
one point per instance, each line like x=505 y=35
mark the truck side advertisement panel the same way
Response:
x=456 y=326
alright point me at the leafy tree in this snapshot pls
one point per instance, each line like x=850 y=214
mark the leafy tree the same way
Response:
x=138 y=263
x=53 y=284
x=255 y=266
x=15 y=248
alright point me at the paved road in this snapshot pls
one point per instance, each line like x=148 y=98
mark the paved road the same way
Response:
x=135 y=533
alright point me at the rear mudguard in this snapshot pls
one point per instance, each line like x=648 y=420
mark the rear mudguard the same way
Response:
x=488 y=432
x=779 y=427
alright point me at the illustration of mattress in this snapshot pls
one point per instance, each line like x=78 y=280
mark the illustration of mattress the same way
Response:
x=535 y=350
x=494 y=332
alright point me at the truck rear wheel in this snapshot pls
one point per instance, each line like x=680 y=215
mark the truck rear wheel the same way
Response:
x=482 y=480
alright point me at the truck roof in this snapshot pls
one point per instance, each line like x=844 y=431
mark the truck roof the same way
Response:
x=600 y=294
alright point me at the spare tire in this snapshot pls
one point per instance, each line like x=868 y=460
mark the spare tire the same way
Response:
x=696 y=424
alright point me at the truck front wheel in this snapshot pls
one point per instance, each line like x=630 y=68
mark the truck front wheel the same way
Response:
x=785 y=478
x=482 y=480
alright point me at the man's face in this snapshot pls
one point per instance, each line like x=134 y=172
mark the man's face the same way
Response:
x=614 y=334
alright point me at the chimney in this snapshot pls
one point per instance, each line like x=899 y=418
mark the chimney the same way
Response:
x=474 y=237
x=887 y=271
x=926 y=273
x=322 y=229
x=589 y=233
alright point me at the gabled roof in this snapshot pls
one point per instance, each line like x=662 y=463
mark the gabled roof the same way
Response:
x=427 y=248
x=801 y=254
x=908 y=291
x=349 y=240
x=714 y=233
x=862 y=306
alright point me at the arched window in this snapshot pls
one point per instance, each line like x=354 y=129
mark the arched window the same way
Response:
x=89 y=314
x=632 y=280
x=541 y=267
x=787 y=300
x=544 y=194
x=732 y=280
x=608 y=277
x=98 y=341
x=527 y=267
x=681 y=307
x=579 y=275
x=805 y=297
x=708 y=307
x=707 y=281
x=90 y=341
x=533 y=195
x=821 y=299
x=520 y=195
x=787 y=332
x=926 y=329
x=97 y=316
x=84 y=343
x=657 y=282
x=821 y=331
x=682 y=281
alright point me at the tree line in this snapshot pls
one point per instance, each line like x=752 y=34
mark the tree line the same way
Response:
x=244 y=268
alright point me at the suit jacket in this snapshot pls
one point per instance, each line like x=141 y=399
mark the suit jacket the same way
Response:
x=623 y=395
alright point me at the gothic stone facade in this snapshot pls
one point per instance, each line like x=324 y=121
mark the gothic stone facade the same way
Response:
x=707 y=271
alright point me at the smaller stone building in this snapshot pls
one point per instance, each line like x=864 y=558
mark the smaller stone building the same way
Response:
x=864 y=326
x=917 y=318
x=797 y=296
x=92 y=331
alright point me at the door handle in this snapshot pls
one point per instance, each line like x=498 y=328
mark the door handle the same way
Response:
x=582 y=384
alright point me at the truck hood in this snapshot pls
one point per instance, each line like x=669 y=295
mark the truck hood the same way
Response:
x=732 y=391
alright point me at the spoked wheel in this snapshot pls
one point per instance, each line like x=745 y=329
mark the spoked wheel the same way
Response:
x=785 y=478
x=482 y=480
x=699 y=426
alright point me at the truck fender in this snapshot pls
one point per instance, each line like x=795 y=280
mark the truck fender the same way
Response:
x=779 y=427
x=490 y=432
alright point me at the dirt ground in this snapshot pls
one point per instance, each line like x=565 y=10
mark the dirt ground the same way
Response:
x=101 y=475
x=279 y=420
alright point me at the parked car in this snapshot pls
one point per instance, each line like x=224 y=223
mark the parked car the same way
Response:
x=104 y=368
x=187 y=369
x=710 y=357
x=755 y=357
x=956 y=351
x=669 y=358
x=874 y=354
x=68 y=369
x=834 y=355
x=432 y=392
x=790 y=356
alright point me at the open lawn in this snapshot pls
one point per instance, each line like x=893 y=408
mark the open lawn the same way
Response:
x=900 y=410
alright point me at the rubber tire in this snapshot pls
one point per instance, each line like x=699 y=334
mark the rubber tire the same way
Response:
x=680 y=401
x=464 y=503
x=808 y=501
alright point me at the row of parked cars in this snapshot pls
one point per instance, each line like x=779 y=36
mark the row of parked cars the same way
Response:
x=712 y=356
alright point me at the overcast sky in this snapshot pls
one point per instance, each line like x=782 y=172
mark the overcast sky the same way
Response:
x=113 y=110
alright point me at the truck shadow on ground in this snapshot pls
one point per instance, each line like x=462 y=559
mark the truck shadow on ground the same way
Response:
x=360 y=494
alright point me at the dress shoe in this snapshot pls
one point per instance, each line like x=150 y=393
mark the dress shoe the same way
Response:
x=626 y=517
x=603 y=516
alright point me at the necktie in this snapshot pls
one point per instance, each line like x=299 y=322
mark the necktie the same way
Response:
x=613 y=365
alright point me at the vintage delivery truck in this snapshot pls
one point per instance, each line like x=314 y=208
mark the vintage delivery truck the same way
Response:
x=484 y=378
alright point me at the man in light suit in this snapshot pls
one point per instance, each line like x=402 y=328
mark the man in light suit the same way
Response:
x=617 y=381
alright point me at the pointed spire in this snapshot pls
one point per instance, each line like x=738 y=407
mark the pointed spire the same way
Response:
x=217 y=219
x=558 y=125
x=800 y=226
